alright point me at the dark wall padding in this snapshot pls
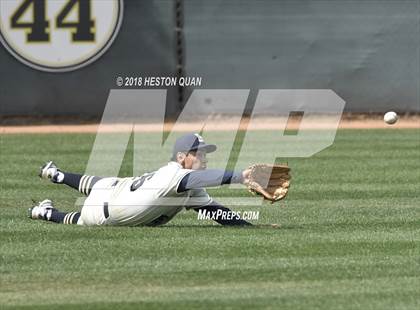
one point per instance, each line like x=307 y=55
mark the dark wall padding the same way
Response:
x=366 y=51
x=144 y=46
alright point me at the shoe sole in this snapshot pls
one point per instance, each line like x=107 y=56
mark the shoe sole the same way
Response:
x=45 y=168
x=37 y=218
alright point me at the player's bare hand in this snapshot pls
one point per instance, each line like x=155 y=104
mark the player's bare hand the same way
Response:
x=245 y=175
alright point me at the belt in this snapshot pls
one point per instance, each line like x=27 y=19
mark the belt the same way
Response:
x=106 y=211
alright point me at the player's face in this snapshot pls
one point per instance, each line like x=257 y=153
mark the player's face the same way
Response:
x=196 y=160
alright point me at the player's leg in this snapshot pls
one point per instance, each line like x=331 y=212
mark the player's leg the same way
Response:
x=80 y=182
x=45 y=211
x=96 y=208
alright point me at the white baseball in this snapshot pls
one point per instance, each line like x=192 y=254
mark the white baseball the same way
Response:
x=390 y=117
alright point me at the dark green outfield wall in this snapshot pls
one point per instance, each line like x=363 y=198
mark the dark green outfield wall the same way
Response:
x=366 y=51
x=144 y=46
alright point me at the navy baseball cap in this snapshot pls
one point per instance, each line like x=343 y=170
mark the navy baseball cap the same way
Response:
x=192 y=142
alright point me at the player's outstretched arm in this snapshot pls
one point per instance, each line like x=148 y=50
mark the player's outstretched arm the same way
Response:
x=211 y=177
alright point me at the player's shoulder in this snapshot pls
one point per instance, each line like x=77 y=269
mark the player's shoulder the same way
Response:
x=174 y=167
x=167 y=179
x=170 y=173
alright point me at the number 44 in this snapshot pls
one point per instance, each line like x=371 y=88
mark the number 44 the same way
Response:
x=39 y=27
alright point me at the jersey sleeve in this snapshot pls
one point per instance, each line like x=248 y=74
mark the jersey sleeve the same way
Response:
x=209 y=178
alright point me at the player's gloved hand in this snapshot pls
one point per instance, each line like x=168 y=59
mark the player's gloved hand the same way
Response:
x=270 y=181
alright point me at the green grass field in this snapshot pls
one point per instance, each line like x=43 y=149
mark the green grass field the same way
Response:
x=349 y=237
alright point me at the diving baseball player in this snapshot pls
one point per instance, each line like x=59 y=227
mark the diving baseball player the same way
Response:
x=151 y=199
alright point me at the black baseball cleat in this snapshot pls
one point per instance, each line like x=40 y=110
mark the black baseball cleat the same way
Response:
x=48 y=171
